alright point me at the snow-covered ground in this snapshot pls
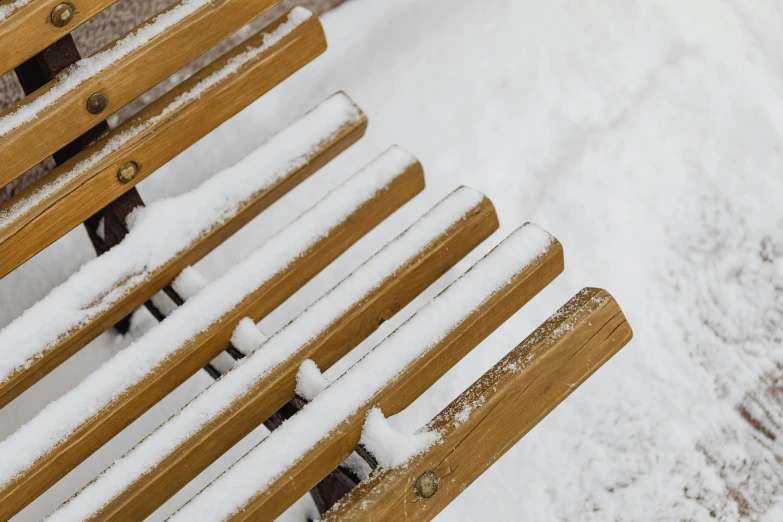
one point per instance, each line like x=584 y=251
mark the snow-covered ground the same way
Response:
x=646 y=136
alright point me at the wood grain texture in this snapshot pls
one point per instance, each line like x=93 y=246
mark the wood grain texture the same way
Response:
x=74 y=199
x=29 y=29
x=199 y=351
x=262 y=400
x=68 y=118
x=136 y=297
x=501 y=407
x=401 y=391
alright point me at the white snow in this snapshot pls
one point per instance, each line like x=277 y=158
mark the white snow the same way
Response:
x=162 y=230
x=90 y=67
x=247 y=337
x=357 y=465
x=310 y=381
x=223 y=363
x=279 y=348
x=60 y=418
x=462 y=416
x=7 y=9
x=134 y=128
x=391 y=448
x=646 y=136
x=189 y=282
x=288 y=444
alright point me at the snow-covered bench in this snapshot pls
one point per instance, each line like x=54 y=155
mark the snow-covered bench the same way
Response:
x=82 y=186
x=328 y=438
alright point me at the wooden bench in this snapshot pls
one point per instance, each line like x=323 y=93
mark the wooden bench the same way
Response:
x=329 y=439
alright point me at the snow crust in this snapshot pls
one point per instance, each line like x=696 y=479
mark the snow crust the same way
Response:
x=391 y=448
x=162 y=230
x=278 y=348
x=107 y=384
x=288 y=444
x=26 y=203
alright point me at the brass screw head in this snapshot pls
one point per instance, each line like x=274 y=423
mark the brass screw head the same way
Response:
x=62 y=14
x=426 y=485
x=96 y=103
x=128 y=172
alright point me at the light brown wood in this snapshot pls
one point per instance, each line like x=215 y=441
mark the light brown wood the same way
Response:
x=137 y=295
x=91 y=435
x=262 y=400
x=68 y=118
x=74 y=198
x=401 y=391
x=29 y=29
x=504 y=405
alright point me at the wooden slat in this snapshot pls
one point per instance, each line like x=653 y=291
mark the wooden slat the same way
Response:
x=61 y=115
x=137 y=294
x=85 y=184
x=248 y=410
x=145 y=391
x=392 y=397
x=28 y=29
x=483 y=423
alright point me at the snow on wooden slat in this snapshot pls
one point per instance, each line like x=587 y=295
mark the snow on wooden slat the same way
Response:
x=241 y=400
x=69 y=429
x=56 y=114
x=88 y=182
x=26 y=27
x=307 y=447
x=152 y=255
x=501 y=407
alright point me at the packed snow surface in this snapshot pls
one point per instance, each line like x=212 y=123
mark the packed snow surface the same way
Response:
x=290 y=443
x=114 y=143
x=646 y=136
x=162 y=230
x=62 y=417
x=279 y=348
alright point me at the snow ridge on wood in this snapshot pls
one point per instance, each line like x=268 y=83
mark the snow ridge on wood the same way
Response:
x=280 y=347
x=23 y=205
x=163 y=230
x=99 y=62
x=279 y=452
x=53 y=424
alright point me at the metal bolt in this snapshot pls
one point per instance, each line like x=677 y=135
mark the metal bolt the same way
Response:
x=62 y=14
x=128 y=172
x=96 y=103
x=426 y=485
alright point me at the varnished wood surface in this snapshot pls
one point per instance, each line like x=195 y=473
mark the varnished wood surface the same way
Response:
x=263 y=399
x=501 y=407
x=159 y=140
x=137 y=295
x=29 y=29
x=68 y=118
x=99 y=429
x=401 y=391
